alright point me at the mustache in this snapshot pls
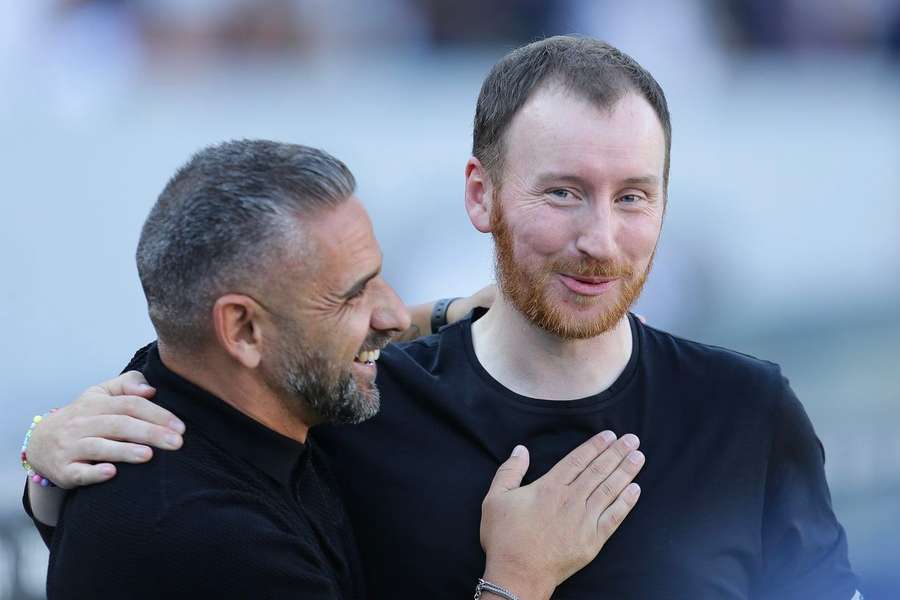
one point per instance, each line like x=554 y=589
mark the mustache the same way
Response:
x=591 y=268
x=376 y=341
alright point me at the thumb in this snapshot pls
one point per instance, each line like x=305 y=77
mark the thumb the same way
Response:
x=509 y=475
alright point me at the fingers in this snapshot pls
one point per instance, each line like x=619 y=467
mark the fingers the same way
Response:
x=610 y=519
x=609 y=489
x=509 y=475
x=144 y=410
x=129 y=429
x=575 y=462
x=596 y=473
x=80 y=474
x=103 y=450
x=140 y=408
x=132 y=383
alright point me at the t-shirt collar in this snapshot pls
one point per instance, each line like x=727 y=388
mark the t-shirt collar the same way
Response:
x=234 y=432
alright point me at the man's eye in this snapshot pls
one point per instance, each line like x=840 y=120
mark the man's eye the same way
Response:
x=562 y=194
x=357 y=294
x=630 y=198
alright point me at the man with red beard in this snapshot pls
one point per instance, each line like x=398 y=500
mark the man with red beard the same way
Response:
x=569 y=174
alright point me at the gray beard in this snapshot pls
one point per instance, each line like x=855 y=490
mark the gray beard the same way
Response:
x=333 y=399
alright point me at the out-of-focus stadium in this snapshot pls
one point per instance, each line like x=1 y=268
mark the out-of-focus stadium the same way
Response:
x=782 y=236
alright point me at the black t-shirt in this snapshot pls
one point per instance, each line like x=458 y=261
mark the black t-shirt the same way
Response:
x=734 y=502
x=239 y=511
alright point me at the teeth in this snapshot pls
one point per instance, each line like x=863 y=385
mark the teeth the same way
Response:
x=368 y=355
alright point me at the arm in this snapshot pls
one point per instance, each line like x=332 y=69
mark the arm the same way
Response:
x=109 y=422
x=804 y=545
x=537 y=536
x=420 y=314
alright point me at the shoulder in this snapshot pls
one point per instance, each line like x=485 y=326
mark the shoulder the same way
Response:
x=420 y=351
x=710 y=359
x=744 y=388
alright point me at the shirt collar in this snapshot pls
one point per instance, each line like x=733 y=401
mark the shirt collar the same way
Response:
x=234 y=432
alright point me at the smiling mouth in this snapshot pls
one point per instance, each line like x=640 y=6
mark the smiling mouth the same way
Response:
x=588 y=286
x=367 y=357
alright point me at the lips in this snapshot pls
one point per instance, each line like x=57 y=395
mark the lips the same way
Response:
x=588 y=286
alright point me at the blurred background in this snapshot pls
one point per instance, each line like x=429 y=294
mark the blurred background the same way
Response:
x=782 y=237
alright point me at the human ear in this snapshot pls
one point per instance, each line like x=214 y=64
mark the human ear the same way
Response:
x=236 y=323
x=478 y=195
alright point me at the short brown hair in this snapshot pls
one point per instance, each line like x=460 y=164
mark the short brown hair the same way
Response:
x=589 y=67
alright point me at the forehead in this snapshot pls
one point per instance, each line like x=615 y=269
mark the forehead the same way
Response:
x=343 y=243
x=558 y=130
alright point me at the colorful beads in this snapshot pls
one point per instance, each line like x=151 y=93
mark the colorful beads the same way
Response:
x=32 y=474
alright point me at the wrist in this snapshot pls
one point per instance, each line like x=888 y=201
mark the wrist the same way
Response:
x=525 y=585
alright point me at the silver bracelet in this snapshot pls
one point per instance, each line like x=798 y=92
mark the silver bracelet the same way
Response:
x=487 y=586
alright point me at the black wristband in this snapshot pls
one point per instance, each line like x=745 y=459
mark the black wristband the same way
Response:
x=439 y=313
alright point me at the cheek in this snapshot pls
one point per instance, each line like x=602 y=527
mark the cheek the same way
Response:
x=544 y=234
x=638 y=239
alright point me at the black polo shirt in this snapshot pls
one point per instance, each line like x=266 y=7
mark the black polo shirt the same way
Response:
x=239 y=512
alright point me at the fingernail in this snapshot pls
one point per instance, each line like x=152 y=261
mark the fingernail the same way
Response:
x=142 y=453
x=608 y=437
x=636 y=457
x=173 y=441
x=176 y=425
x=144 y=387
x=631 y=440
x=518 y=450
x=109 y=470
x=633 y=490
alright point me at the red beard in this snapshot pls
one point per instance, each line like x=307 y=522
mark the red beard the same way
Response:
x=527 y=290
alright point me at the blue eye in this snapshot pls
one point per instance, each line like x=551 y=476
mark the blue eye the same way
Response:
x=561 y=194
x=629 y=198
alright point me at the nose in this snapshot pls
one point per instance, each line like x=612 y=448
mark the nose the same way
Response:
x=390 y=315
x=596 y=235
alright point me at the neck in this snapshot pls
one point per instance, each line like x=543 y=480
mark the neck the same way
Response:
x=238 y=387
x=535 y=363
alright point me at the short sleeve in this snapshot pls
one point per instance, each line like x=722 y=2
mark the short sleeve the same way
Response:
x=804 y=546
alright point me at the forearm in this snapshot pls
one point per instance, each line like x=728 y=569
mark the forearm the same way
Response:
x=46 y=502
x=420 y=322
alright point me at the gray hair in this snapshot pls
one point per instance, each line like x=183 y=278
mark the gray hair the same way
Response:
x=222 y=221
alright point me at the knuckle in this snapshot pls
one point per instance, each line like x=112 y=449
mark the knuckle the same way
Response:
x=576 y=461
x=598 y=468
x=615 y=519
x=77 y=478
x=606 y=490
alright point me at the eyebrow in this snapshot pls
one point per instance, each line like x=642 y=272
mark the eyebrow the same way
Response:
x=641 y=180
x=361 y=283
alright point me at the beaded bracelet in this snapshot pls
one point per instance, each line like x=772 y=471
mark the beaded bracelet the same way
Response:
x=32 y=474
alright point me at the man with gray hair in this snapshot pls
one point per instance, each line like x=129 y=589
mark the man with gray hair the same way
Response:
x=263 y=282
x=569 y=175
